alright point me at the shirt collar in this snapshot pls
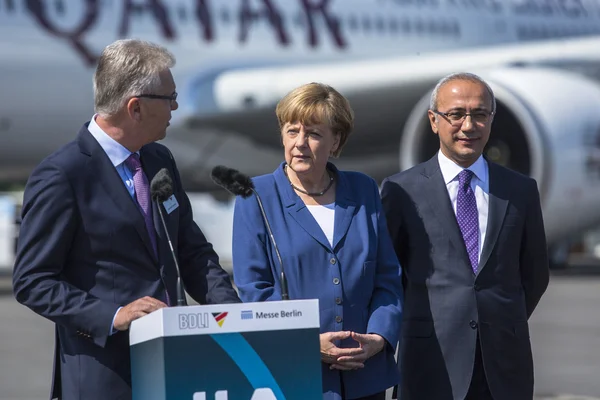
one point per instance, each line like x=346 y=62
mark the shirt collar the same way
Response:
x=450 y=170
x=115 y=151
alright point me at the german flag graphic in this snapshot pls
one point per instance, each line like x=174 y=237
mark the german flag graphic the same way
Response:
x=220 y=317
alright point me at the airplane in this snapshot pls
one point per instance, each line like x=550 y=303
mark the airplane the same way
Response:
x=237 y=58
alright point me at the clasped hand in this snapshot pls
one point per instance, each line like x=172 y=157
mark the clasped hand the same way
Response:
x=347 y=359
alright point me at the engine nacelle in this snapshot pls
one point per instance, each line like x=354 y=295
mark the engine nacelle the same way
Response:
x=547 y=126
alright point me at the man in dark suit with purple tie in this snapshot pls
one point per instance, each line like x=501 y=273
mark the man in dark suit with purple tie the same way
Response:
x=470 y=238
x=92 y=253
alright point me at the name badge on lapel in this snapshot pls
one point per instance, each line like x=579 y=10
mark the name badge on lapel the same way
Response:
x=171 y=204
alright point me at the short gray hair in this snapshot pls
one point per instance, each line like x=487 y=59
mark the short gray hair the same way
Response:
x=125 y=69
x=459 y=76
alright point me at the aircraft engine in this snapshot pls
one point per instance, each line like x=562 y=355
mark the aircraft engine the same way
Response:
x=547 y=126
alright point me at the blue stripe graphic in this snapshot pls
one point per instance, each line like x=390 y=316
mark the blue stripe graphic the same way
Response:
x=248 y=361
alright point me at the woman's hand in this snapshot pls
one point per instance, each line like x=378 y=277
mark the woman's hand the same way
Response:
x=330 y=353
x=371 y=344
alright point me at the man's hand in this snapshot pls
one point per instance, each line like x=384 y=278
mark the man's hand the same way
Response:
x=135 y=310
x=371 y=344
x=330 y=353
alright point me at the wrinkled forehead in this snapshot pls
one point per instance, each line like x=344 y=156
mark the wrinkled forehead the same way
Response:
x=464 y=93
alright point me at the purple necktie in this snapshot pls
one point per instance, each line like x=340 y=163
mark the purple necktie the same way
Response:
x=468 y=217
x=142 y=194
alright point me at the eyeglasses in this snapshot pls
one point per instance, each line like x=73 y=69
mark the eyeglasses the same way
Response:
x=457 y=118
x=172 y=97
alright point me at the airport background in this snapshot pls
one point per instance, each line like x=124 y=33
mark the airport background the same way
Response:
x=565 y=329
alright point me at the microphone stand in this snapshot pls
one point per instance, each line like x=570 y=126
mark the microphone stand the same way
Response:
x=283 y=280
x=180 y=291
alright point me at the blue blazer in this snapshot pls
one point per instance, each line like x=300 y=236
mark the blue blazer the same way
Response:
x=84 y=250
x=357 y=280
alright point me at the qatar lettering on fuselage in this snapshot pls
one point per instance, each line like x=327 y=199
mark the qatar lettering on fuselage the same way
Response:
x=249 y=12
x=318 y=21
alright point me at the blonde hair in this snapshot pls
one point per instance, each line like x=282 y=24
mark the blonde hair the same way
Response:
x=317 y=103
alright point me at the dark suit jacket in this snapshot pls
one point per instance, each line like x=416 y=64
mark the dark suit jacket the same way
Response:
x=357 y=280
x=84 y=250
x=446 y=305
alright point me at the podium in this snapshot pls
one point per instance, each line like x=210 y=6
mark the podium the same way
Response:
x=245 y=351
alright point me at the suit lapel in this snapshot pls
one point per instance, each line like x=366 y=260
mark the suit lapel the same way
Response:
x=304 y=218
x=498 y=203
x=439 y=202
x=102 y=170
x=151 y=164
x=298 y=210
x=344 y=209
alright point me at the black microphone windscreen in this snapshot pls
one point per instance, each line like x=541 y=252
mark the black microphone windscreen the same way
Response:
x=161 y=187
x=232 y=180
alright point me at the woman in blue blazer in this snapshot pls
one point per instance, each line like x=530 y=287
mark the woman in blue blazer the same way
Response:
x=333 y=241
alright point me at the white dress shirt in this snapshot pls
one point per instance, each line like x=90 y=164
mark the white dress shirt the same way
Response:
x=480 y=184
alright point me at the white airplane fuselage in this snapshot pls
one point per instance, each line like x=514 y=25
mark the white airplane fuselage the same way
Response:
x=48 y=50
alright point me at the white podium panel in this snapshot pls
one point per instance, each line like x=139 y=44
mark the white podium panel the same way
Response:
x=267 y=350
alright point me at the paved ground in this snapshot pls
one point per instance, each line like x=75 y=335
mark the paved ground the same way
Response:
x=565 y=332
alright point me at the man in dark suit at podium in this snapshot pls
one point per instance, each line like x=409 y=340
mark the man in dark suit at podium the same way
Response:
x=92 y=252
x=470 y=237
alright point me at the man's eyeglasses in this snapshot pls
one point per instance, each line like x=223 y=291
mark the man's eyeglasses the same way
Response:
x=457 y=118
x=172 y=97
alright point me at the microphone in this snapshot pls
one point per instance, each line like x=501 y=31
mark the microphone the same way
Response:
x=239 y=184
x=161 y=188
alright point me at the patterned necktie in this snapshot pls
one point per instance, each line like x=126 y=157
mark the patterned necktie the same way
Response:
x=468 y=217
x=142 y=194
